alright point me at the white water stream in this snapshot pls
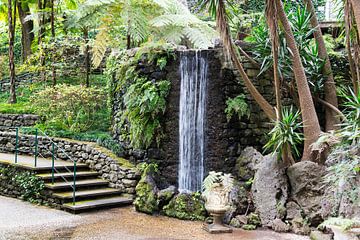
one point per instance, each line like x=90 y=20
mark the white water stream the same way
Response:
x=194 y=68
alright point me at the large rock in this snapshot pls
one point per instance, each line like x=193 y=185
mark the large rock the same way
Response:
x=146 y=192
x=306 y=189
x=186 y=206
x=246 y=163
x=270 y=190
x=238 y=202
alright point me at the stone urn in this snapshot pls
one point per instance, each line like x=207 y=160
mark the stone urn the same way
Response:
x=217 y=203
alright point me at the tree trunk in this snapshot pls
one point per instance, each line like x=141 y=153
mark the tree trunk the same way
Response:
x=224 y=31
x=27 y=27
x=41 y=33
x=52 y=19
x=348 y=25
x=356 y=8
x=87 y=57
x=310 y=120
x=12 y=25
x=329 y=85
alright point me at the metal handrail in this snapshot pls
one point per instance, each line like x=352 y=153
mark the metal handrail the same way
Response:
x=53 y=157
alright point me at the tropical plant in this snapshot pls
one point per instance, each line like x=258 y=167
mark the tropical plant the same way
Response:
x=144 y=102
x=350 y=130
x=286 y=136
x=237 y=106
x=217 y=179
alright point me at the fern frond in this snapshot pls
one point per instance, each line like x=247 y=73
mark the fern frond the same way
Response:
x=100 y=46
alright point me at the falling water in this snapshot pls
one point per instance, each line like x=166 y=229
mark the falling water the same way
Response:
x=193 y=69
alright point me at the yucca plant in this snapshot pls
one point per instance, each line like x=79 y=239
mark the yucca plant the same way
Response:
x=350 y=130
x=286 y=136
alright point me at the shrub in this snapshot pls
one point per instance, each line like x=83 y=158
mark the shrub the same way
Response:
x=73 y=108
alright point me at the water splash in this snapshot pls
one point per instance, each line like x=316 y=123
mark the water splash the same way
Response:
x=194 y=68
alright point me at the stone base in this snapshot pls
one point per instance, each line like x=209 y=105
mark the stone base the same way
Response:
x=216 y=228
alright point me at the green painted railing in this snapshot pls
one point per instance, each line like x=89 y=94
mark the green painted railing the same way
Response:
x=37 y=153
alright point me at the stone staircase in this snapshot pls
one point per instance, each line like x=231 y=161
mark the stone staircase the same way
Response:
x=91 y=192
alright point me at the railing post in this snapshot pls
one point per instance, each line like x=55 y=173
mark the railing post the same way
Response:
x=74 y=185
x=52 y=162
x=16 y=145
x=36 y=146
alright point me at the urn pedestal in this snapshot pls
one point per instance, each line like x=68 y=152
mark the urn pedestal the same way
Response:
x=217 y=212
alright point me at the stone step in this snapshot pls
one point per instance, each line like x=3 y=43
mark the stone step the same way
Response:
x=59 y=168
x=67 y=175
x=83 y=206
x=87 y=193
x=79 y=184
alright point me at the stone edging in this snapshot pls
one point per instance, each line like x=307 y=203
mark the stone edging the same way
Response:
x=119 y=172
x=18 y=120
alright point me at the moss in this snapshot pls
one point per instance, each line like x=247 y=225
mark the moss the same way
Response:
x=249 y=227
x=254 y=219
x=146 y=199
x=186 y=207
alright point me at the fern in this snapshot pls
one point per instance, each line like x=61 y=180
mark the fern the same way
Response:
x=100 y=46
x=237 y=106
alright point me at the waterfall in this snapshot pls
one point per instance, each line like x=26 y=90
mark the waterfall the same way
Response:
x=193 y=67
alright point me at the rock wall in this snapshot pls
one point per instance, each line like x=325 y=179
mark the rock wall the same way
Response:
x=120 y=173
x=224 y=139
x=18 y=120
x=20 y=80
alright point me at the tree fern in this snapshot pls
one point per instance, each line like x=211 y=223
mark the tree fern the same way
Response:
x=100 y=46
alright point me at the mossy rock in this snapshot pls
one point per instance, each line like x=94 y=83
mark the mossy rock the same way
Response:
x=186 y=207
x=146 y=191
x=254 y=219
x=249 y=227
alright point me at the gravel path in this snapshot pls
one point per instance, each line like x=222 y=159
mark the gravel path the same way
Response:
x=19 y=220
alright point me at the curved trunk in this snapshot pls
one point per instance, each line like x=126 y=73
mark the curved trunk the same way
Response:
x=223 y=28
x=329 y=85
x=356 y=8
x=310 y=120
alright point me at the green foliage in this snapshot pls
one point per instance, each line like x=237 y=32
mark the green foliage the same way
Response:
x=27 y=183
x=286 y=132
x=187 y=207
x=343 y=223
x=226 y=181
x=350 y=130
x=73 y=108
x=144 y=102
x=237 y=106
x=300 y=23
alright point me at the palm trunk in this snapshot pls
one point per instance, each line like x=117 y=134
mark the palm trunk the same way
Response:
x=271 y=18
x=348 y=26
x=12 y=25
x=27 y=27
x=356 y=8
x=310 y=120
x=329 y=85
x=223 y=28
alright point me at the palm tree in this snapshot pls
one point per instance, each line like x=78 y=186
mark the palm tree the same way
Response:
x=12 y=25
x=329 y=86
x=310 y=120
x=217 y=8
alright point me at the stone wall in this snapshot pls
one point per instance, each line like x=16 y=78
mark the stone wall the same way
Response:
x=224 y=139
x=18 y=120
x=120 y=173
x=21 y=80
x=9 y=187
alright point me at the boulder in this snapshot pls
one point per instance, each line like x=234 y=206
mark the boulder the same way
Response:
x=279 y=226
x=293 y=210
x=186 y=206
x=238 y=202
x=164 y=196
x=146 y=195
x=270 y=190
x=246 y=163
x=300 y=226
x=306 y=188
